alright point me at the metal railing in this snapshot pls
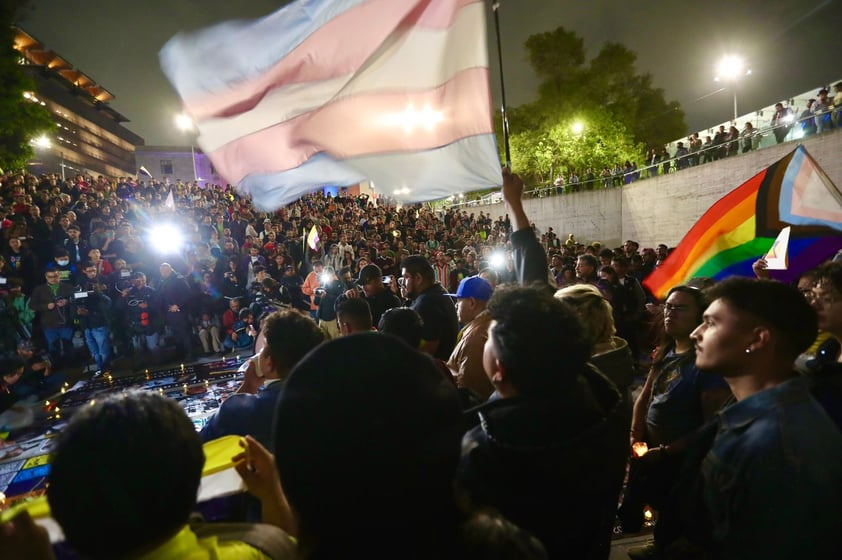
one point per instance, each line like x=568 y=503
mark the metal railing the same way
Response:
x=759 y=139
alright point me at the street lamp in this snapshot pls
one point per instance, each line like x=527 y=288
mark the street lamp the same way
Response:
x=42 y=142
x=185 y=124
x=731 y=69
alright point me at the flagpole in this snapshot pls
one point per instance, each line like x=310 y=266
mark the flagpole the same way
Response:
x=495 y=7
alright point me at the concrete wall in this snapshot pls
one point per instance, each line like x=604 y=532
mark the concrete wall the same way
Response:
x=663 y=209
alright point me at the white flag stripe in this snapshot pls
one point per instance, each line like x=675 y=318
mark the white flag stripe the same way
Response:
x=458 y=167
x=330 y=51
x=418 y=59
x=363 y=125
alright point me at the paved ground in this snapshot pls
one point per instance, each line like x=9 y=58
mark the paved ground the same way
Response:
x=619 y=546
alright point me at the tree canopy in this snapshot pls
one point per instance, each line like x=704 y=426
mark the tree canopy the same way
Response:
x=617 y=112
x=20 y=120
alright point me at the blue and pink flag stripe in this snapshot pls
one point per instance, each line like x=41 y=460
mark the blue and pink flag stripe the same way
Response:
x=341 y=91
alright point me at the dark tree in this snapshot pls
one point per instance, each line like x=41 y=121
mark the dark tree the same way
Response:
x=20 y=120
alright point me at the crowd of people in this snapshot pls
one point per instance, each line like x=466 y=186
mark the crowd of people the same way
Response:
x=84 y=276
x=820 y=114
x=441 y=384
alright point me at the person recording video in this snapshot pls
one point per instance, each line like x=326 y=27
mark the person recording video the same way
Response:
x=93 y=309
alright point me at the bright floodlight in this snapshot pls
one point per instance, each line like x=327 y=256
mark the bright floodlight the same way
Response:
x=166 y=238
x=411 y=119
x=577 y=127
x=41 y=142
x=183 y=122
x=497 y=259
x=730 y=68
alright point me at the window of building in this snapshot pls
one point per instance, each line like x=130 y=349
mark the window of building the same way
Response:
x=166 y=167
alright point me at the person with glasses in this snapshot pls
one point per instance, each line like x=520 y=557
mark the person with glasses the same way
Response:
x=677 y=399
x=825 y=371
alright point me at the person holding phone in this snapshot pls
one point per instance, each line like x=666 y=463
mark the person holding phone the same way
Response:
x=52 y=303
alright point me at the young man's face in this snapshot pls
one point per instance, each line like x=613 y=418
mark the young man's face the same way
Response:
x=722 y=338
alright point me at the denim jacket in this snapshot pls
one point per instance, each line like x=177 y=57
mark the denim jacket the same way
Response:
x=772 y=480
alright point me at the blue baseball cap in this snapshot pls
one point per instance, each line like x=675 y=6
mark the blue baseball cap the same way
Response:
x=474 y=287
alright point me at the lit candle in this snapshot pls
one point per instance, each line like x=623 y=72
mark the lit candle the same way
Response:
x=640 y=448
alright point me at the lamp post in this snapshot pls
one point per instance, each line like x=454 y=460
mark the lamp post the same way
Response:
x=42 y=144
x=185 y=124
x=731 y=69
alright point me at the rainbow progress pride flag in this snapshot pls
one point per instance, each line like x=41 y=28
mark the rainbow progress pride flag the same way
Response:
x=742 y=226
x=335 y=92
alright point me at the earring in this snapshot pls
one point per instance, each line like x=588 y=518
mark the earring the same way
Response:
x=748 y=350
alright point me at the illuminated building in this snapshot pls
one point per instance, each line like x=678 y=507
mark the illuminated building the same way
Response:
x=90 y=137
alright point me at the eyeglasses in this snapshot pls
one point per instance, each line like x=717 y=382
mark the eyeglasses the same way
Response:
x=670 y=308
x=824 y=298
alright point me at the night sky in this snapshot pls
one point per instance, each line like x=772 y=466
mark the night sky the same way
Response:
x=790 y=45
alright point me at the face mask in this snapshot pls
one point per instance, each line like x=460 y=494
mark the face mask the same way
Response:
x=63 y=262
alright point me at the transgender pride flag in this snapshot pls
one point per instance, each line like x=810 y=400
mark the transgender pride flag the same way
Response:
x=341 y=91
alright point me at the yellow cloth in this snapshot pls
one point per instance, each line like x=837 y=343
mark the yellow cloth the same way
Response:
x=820 y=339
x=218 y=454
x=186 y=546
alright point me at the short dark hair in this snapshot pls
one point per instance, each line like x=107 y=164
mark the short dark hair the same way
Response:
x=355 y=311
x=416 y=264
x=290 y=335
x=538 y=339
x=130 y=462
x=621 y=260
x=389 y=422
x=404 y=323
x=778 y=305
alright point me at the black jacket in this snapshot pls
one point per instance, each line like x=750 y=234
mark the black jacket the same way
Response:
x=553 y=465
